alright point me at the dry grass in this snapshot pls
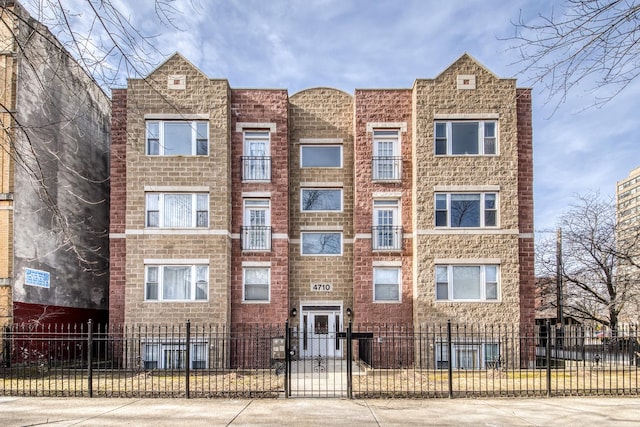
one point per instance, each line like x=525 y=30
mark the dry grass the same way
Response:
x=259 y=383
x=575 y=381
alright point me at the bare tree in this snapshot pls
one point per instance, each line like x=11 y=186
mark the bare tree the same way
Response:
x=600 y=269
x=591 y=42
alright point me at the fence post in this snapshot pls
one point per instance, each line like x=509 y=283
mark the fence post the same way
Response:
x=349 y=361
x=90 y=357
x=449 y=365
x=187 y=371
x=548 y=356
x=287 y=358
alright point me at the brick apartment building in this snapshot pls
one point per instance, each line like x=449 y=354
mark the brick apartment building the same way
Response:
x=54 y=189
x=250 y=206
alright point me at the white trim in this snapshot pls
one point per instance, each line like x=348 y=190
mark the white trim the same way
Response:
x=387 y=264
x=387 y=125
x=337 y=185
x=241 y=126
x=178 y=231
x=321 y=141
x=175 y=261
x=117 y=235
x=362 y=236
x=526 y=236
x=164 y=116
x=467 y=261
x=465 y=188
x=466 y=116
x=387 y=194
x=348 y=241
x=256 y=194
x=462 y=231
x=321 y=228
x=176 y=188
x=256 y=264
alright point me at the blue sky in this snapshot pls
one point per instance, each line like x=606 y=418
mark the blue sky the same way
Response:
x=348 y=44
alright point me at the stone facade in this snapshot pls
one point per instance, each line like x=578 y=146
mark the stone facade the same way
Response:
x=340 y=284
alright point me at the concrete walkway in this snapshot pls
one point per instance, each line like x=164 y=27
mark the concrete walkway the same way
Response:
x=565 y=412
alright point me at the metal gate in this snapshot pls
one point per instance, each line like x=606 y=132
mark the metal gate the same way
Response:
x=318 y=359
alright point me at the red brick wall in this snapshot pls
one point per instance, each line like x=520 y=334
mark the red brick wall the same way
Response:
x=525 y=203
x=261 y=106
x=380 y=106
x=118 y=172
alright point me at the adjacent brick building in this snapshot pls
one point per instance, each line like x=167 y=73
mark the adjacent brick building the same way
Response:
x=250 y=206
x=54 y=182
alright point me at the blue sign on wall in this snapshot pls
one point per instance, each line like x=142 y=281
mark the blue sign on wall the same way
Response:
x=37 y=278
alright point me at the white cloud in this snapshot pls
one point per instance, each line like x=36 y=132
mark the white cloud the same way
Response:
x=385 y=43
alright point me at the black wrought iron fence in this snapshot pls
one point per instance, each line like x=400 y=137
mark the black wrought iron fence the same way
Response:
x=435 y=360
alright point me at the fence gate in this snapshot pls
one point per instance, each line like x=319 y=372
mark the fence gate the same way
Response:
x=318 y=356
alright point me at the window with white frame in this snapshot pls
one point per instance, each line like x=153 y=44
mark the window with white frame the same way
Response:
x=177 y=210
x=320 y=199
x=466 y=138
x=256 y=161
x=256 y=284
x=387 y=163
x=467 y=282
x=466 y=210
x=387 y=231
x=386 y=284
x=321 y=156
x=173 y=355
x=256 y=229
x=177 y=138
x=468 y=355
x=321 y=243
x=176 y=283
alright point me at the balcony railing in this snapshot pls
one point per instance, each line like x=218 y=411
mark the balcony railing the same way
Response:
x=387 y=168
x=386 y=238
x=256 y=168
x=256 y=238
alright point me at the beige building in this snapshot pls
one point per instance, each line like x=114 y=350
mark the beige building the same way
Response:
x=628 y=224
x=387 y=206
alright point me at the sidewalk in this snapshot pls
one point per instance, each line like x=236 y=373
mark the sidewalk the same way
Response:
x=565 y=412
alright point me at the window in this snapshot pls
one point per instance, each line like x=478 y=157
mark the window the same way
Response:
x=177 y=210
x=386 y=284
x=468 y=356
x=173 y=355
x=175 y=138
x=467 y=282
x=387 y=232
x=176 y=283
x=321 y=243
x=466 y=138
x=387 y=163
x=256 y=162
x=320 y=199
x=321 y=156
x=466 y=210
x=256 y=284
x=256 y=231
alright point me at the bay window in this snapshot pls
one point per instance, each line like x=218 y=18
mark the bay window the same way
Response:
x=466 y=138
x=466 y=210
x=176 y=137
x=177 y=210
x=467 y=282
x=176 y=282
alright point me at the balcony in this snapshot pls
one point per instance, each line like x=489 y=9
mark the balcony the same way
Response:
x=256 y=238
x=256 y=168
x=387 y=168
x=387 y=238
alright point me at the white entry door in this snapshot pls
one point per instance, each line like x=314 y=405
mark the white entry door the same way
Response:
x=319 y=332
